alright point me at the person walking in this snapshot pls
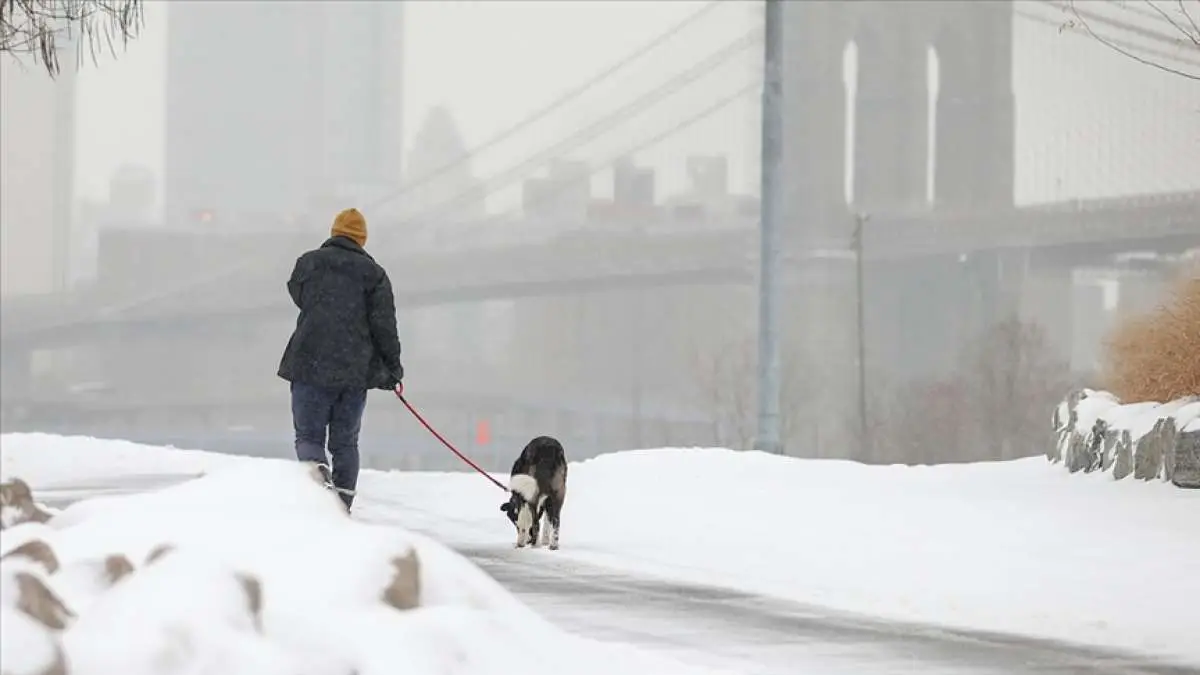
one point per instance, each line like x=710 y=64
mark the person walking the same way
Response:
x=345 y=344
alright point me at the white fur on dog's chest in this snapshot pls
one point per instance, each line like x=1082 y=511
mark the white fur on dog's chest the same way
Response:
x=524 y=485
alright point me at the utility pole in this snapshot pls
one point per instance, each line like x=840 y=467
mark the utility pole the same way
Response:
x=769 y=376
x=860 y=301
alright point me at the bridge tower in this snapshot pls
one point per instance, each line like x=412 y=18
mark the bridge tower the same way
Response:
x=891 y=109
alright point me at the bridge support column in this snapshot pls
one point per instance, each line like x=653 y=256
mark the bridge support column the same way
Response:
x=975 y=156
x=919 y=316
x=922 y=312
x=1000 y=279
x=547 y=341
x=1048 y=302
x=918 y=311
x=924 y=319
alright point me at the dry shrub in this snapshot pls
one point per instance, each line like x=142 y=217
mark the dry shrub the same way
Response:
x=1156 y=356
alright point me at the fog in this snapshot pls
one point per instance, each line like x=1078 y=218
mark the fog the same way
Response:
x=566 y=198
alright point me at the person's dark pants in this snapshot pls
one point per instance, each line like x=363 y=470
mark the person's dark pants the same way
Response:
x=340 y=410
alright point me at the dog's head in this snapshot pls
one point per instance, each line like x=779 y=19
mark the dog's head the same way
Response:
x=521 y=511
x=512 y=506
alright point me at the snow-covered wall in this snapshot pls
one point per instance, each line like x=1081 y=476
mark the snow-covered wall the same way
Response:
x=1149 y=441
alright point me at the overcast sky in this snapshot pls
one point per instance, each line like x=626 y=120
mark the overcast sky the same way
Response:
x=493 y=61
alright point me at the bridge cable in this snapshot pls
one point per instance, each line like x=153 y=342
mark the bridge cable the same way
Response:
x=614 y=119
x=562 y=100
x=717 y=106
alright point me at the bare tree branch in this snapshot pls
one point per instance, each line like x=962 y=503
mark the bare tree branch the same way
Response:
x=1145 y=50
x=1195 y=32
x=1169 y=19
x=1187 y=31
x=35 y=27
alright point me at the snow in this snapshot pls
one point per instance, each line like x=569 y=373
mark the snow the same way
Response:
x=82 y=463
x=1181 y=409
x=1139 y=418
x=1061 y=414
x=1186 y=416
x=37 y=650
x=1132 y=417
x=1093 y=406
x=1017 y=547
x=266 y=575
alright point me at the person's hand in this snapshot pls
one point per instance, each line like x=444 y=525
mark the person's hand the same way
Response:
x=399 y=389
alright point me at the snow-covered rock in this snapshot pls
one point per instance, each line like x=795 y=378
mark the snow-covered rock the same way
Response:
x=255 y=569
x=1186 y=468
x=17 y=505
x=1095 y=432
x=28 y=647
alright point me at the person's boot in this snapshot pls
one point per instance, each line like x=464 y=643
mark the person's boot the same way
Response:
x=325 y=474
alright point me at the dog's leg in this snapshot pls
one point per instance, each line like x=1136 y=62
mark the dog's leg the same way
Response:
x=554 y=519
x=526 y=525
x=546 y=529
x=538 y=533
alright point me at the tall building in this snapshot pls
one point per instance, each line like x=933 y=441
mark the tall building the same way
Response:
x=279 y=111
x=443 y=186
x=37 y=155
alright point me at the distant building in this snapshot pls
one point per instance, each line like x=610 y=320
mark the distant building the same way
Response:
x=280 y=112
x=633 y=186
x=564 y=194
x=634 y=202
x=37 y=158
x=707 y=196
x=131 y=195
x=444 y=187
x=708 y=176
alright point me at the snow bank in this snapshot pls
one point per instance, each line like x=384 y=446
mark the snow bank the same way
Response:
x=252 y=569
x=83 y=464
x=1095 y=432
x=1007 y=546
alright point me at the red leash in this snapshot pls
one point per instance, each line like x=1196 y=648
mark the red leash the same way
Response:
x=446 y=443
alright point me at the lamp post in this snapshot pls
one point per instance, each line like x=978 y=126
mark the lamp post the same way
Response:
x=769 y=377
x=860 y=219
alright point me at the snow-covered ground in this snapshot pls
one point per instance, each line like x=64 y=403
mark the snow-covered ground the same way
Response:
x=267 y=575
x=1018 y=547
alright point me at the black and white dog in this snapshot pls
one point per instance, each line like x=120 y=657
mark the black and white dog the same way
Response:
x=538 y=487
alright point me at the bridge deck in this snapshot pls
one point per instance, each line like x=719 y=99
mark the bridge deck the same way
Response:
x=581 y=262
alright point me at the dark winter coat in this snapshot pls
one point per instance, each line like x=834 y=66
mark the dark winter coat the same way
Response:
x=346 y=334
